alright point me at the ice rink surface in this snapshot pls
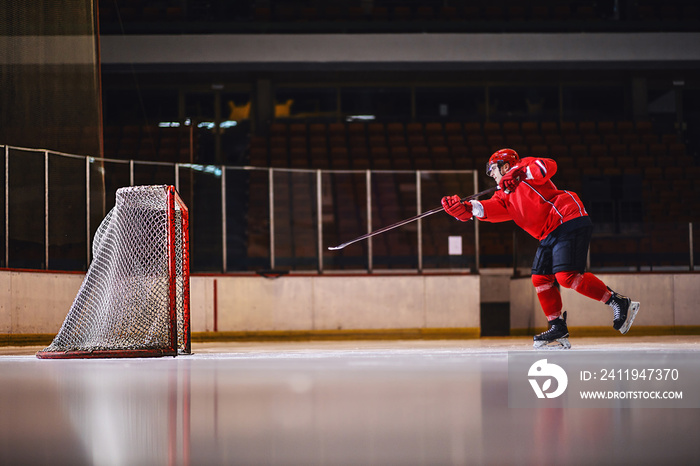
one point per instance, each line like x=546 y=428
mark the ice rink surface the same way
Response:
x=329 y=403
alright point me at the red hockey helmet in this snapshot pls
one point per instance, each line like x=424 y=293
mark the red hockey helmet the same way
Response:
x=502 y=157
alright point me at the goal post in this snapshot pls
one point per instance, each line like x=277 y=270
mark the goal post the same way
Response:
x=135 y=298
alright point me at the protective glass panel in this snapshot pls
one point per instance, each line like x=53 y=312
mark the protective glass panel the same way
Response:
x=344 y=197
x=657 y=247
x=447 y=242
x=146 y=174
x=105 y=178
x=201 y=191
x=295 y=217
x=26 y=209
x=67 y=213
x=247 y=220
x=394 y=200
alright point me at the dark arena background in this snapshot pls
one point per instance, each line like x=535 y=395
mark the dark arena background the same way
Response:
x=291 y=127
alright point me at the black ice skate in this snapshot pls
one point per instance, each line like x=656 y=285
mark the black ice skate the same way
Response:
x=557 y=337
x=624 y=311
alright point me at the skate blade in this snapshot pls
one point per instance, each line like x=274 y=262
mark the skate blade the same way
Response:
x=558 y=344
x=631 y=314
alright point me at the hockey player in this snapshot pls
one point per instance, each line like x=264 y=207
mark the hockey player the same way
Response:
x=559 y=221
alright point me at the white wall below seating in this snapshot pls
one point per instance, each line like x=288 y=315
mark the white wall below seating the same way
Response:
x=311 y=303
x=38 y=302
x=35 y=302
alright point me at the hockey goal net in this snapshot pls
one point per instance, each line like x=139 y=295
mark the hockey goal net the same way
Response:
x=134 y=300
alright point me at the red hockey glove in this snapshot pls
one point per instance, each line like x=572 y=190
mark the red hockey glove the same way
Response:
x=458 y=209
x=512 y=179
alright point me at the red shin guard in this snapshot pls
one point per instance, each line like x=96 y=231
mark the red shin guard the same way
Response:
x=587 y=284
x=548 y=294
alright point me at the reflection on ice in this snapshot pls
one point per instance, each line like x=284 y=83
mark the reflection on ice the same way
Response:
x=444 y=404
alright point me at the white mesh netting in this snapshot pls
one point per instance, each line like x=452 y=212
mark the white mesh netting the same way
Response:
x=124 y=301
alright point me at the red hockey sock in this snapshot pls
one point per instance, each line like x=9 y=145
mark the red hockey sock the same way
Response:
x=587 y=284
x=548 y=294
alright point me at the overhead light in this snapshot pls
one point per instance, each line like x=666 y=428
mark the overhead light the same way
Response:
x=359 y=117
x=210 y=169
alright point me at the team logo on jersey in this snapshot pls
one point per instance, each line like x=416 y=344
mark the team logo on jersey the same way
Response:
x=546 y=372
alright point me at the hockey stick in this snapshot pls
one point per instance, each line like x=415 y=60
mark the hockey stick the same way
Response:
x=409 y=220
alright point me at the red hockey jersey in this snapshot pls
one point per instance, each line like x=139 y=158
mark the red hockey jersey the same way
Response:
x=537 y=206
